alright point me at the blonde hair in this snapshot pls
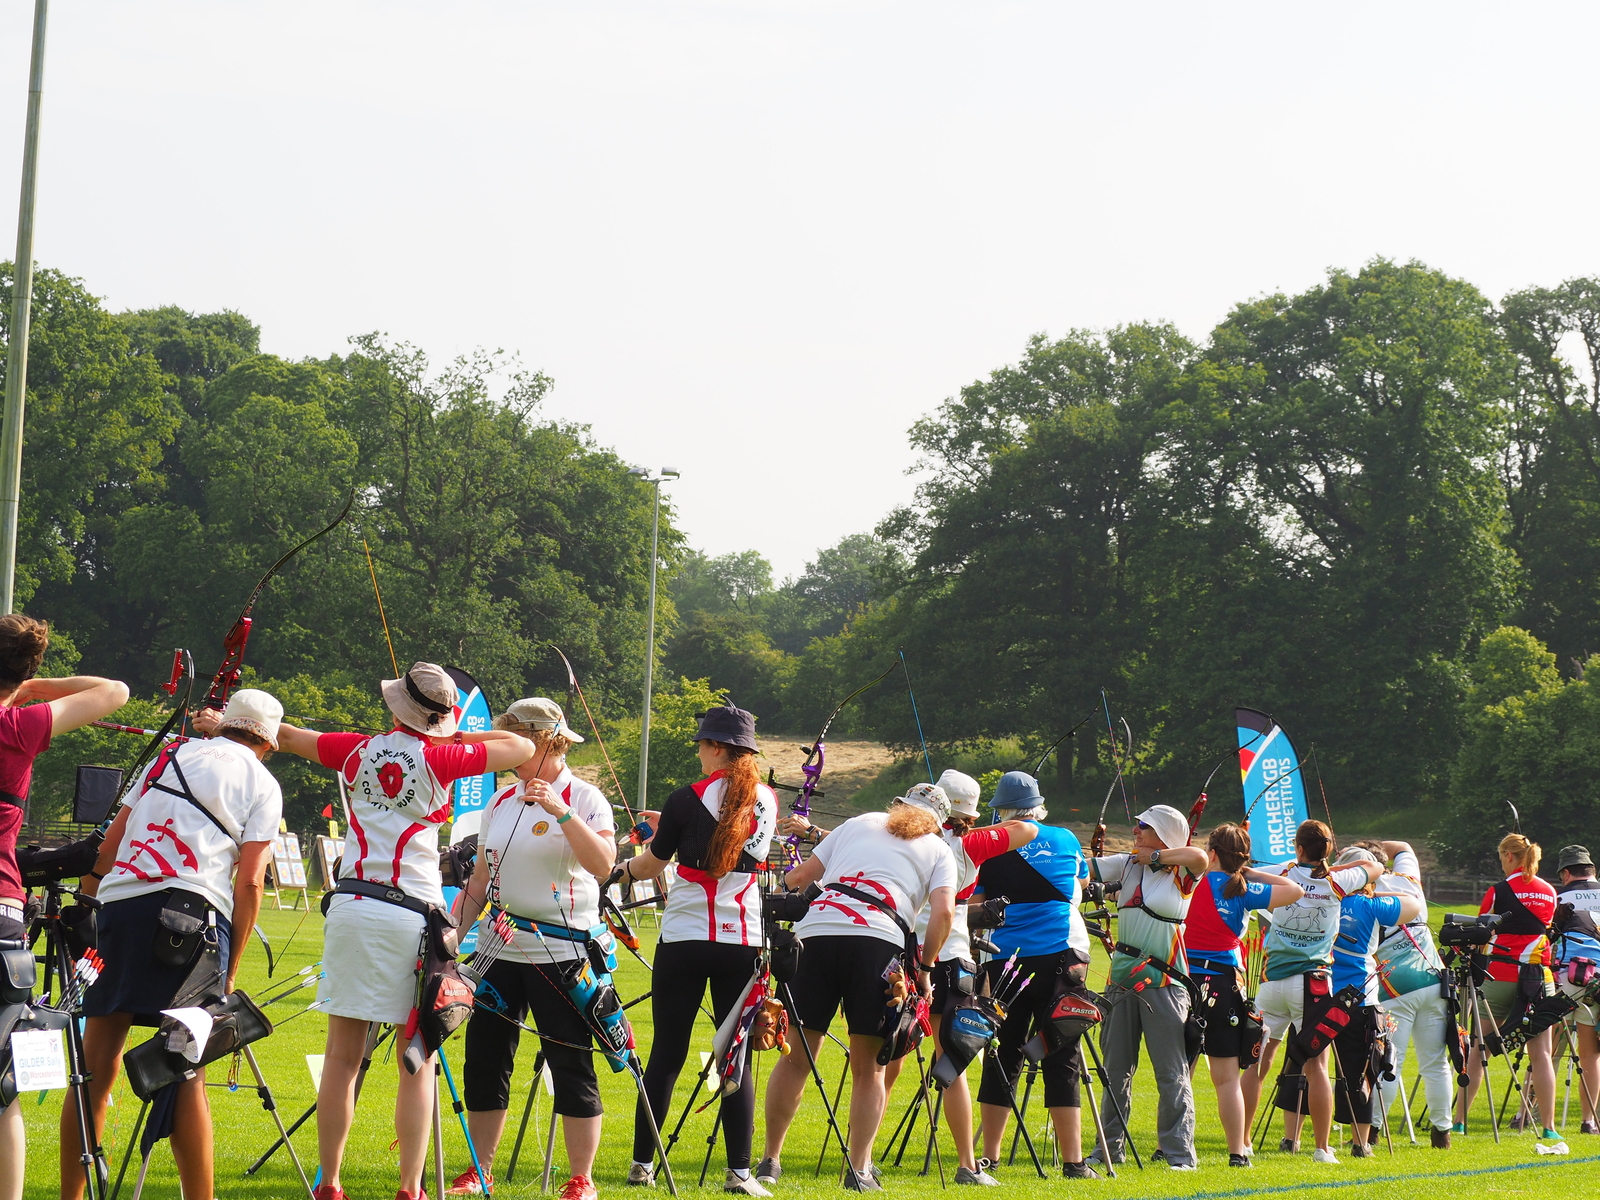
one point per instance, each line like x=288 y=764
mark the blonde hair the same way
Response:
x=908 y=822
x=1525 y=853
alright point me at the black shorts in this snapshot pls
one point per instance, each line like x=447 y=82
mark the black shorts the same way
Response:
x=954 y=979
x=1223 y=1007
x=1003 y=1067
x=843 y=970
x=132 y=980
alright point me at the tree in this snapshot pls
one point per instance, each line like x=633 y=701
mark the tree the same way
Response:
x=1532 y=739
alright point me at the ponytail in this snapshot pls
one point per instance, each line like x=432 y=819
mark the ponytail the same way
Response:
x=1526 y=854
x=734 y=823
x=1231 y=845
x=1314 y=842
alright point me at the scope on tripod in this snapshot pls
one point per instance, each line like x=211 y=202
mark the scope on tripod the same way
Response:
x=787 y=906
x=1460 y=931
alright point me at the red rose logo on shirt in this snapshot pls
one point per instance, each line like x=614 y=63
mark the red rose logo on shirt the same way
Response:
x=391 y=778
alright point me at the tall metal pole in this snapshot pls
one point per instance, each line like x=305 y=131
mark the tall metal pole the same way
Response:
x=649 y=653
x=21 y=307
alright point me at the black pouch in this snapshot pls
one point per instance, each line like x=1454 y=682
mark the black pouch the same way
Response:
x=1292 y=1094
x=180 y=928
x=1252 y=1035
x=964 y=977
x=81 y=928
x=18 y=973
x=786 y=947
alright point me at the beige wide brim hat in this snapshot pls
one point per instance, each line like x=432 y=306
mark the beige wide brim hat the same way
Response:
x=424 y=699
x=1171 y=826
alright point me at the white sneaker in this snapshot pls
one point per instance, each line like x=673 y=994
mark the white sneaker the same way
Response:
x=748 y=1186
x=1324 y=1156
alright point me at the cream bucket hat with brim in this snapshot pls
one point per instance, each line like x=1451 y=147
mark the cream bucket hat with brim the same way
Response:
x=253 y=711
x=536 y=713
x=423 y=699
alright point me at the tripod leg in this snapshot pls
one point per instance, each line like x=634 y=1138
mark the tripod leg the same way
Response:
x=1116 y=1104
x=927 y=1151
x=908 y=1116
x=461 y=1115
x=549 y=1152
x=1011 y=1095
x=1094 y=1114
x=688 y=1107
x=933 y=1121
x=816 y=1075
x=268 y=1103
x=1022 y=1116
x=637 y=1070
x=277 y=1145
x=127 y=1155
x=527 y=1111
x=711 y=1144
x=438 y=1135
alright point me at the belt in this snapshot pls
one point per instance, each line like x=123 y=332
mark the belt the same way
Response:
x=14 y=911
x=386 y=892
x=529 y=925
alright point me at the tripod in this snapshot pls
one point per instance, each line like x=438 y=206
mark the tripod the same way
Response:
x=376 y=1036
x=59 y=970
x=1483 y=1035
x=1570 y=1051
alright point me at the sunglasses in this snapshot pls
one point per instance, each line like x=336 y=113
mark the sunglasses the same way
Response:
x=1142 y=825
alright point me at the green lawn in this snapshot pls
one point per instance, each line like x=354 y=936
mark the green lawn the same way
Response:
x=1476 y=1166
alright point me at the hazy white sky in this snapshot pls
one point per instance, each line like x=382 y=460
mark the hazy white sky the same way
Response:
x=755 y=241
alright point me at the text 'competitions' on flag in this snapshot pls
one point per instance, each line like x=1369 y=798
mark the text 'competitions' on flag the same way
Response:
x=1273 y=784
x=472 y=794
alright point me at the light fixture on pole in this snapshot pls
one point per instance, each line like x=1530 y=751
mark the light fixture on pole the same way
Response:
x=656 y=478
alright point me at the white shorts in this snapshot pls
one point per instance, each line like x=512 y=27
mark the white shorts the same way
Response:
x=1588 y=1012
x=1282 y=1003
x=369 y=960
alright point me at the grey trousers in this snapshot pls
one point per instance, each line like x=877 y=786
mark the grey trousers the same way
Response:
x=1156 y=1015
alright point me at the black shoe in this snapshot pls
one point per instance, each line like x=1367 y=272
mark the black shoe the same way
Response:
x=1289 y=1146
x=1589 y=1127
x=1079 y=1170
x=1239 y=1160
x=1360 y=1149
x=768 y=1171
x=1158 y=1155
x=1441 y=1139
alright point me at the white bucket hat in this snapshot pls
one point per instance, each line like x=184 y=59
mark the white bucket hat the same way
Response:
x=533 y=713
x=253 y=711
x=424 y=699
x=929 y=796
x=1171 y=826
x=963 y=791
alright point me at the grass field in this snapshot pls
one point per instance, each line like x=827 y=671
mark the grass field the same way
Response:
x=1476 y=1166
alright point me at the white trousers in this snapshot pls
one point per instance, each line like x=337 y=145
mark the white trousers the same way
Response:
x=1421 y=1019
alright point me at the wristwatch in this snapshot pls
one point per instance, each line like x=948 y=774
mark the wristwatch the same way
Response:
x=1155 y=858
x=564 y=817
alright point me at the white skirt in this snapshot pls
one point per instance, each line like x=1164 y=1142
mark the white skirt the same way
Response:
x=369 y=960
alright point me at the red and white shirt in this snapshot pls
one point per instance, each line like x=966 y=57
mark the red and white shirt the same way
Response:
x=1539 y=898
x=396 y=790
x=864 y=855
x=971 y=850
x=701 y=908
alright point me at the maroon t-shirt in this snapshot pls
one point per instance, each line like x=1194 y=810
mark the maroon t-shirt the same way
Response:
x=24 y=735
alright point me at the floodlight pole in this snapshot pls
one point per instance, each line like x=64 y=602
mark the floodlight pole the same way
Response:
x=657 y=480
x=21 y=307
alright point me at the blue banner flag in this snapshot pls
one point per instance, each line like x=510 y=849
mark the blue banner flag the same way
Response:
x=473 y=793
x=1274 y=786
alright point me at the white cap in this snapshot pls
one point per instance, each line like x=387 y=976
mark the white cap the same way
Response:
x=963 y=791
x=1171 y=826
x=253 y=711
x=928 y=796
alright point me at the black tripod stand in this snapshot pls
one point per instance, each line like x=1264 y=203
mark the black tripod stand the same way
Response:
x=1469 y=1007
x=60 y=970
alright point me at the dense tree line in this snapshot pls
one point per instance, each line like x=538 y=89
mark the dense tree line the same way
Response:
x=168 y=462
x=1322 y=511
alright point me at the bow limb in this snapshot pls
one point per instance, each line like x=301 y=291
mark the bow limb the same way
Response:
x=233 y=645
x=267 y=946
x=574 y=686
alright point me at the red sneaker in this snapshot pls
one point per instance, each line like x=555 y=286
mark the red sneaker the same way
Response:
x=468 y=1184
x=405 y=1195
x=329 y=1191
x=579 y=1187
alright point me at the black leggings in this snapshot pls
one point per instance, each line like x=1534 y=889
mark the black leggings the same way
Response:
x=527 y=990
x=682 y=970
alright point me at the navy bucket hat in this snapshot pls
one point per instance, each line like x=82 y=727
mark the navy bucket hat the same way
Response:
x=1016 y=789
x=729 y=725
